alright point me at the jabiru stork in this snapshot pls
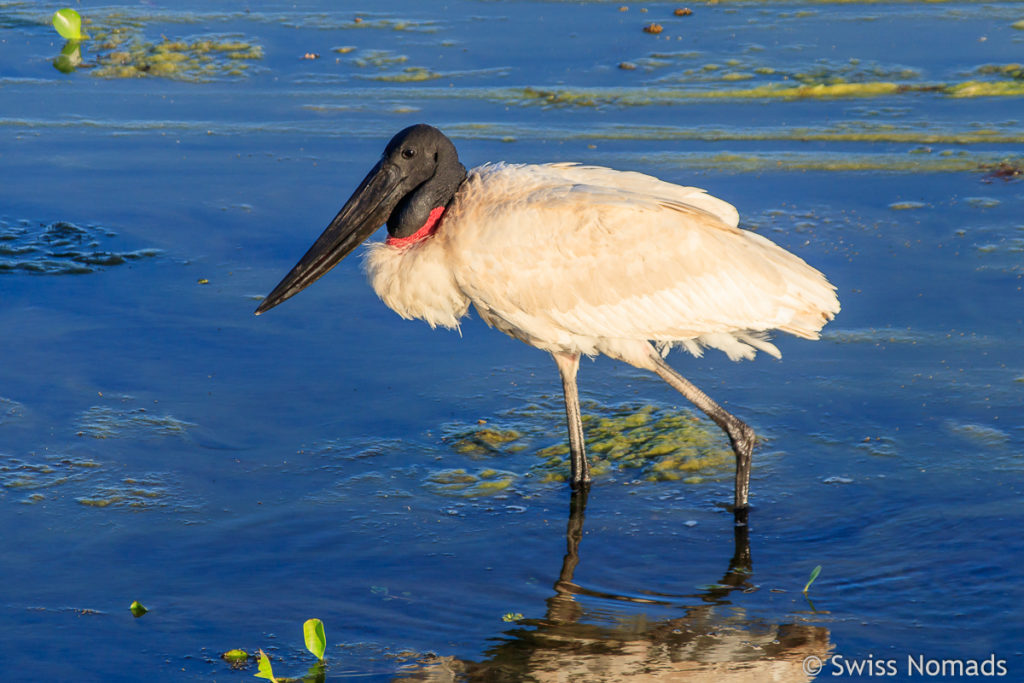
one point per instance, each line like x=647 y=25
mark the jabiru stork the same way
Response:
x=574 y=260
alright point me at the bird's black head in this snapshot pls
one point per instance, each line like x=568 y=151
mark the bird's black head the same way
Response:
x=418 y=172
x=433 y=173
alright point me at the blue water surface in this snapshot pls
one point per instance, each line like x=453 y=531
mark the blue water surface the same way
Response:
x=239 y=475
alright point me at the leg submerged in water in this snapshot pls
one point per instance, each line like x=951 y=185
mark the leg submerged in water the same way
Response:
x=568 y=364
x=740 y=435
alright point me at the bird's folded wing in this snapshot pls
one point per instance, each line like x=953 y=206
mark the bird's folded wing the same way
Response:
x=603 y=261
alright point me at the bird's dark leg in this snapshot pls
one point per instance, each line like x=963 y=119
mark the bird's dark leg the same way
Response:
x=741 y=436
x=568 y=364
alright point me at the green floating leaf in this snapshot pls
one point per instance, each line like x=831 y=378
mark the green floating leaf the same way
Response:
x=814 y=575
x=137 y=609
x=265 y=670
x=69 y=58
x=235 y=655
x=511 y=617
x=316 y=641
x=68 y=24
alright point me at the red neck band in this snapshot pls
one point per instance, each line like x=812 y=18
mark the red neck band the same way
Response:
x=428 y=229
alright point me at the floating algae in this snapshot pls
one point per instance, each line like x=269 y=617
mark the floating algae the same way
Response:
x=379 y=59
x=1014 y=88
x=980 y=434
x=411 y=74
x=43 y=473
x=148 y=492
x=105 y=422
x=60 y=248
x=459 y=482
x=810 y=85
x=648 y=442
x=486 y=441
x=923 y=132
x=123 y=52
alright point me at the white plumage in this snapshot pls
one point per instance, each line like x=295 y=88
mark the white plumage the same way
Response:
x=584 y=259
x=572 y=260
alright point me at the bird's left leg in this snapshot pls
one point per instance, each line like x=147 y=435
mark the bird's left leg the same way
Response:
x=740 y=435
x=568 y=364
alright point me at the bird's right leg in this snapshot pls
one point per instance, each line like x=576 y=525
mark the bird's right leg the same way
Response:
x=741 y=436
x=568 y=364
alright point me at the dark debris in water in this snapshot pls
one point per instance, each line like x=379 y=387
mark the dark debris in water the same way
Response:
x=61 y=248
x=1004 y=170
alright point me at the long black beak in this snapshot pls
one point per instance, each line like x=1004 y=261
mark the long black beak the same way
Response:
x=365 y=211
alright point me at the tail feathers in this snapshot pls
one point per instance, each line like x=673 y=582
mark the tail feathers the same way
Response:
x=740 y=345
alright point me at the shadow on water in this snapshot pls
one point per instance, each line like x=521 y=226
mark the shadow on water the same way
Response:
x=712 y=641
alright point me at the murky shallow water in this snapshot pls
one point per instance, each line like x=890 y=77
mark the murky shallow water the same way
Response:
x=239 y=475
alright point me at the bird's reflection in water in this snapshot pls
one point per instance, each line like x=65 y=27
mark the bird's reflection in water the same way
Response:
x=712 y=641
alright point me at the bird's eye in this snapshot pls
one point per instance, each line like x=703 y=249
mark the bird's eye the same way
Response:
x=408 y=153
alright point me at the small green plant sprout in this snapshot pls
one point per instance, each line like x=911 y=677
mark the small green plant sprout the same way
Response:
x=814 y=575
x=137 y=609
x=236 y=658
x=265 y=670
x=316 y=641
x=510 y=617
x=68 y=24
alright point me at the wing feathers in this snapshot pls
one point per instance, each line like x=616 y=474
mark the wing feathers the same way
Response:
x=582 y=254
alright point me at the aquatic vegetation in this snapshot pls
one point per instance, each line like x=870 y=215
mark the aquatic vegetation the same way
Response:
x=137 y=609
x=68 y=24
x=982 y=202
x=198 y=60
x=841 y=131
x=485 y=441
x=316 y=643
x=379 y=59
x=332 y=21
x=826 y=81
x=128 y=493
x=265 y=669
x=42 y=473
x=382 y=59
x=1013 y=88
x=800 y=161
x=60 y=248
x=907 y=206
x=237 y=658
x=980 y=434
x=1003 y=170
x=872 y=335
x=814 y=575
x=106 y=422
x=316 y=640
x=412 y=74
x=646 y=441
x=459 y=482
x=1014 y=70
x=124 y=52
